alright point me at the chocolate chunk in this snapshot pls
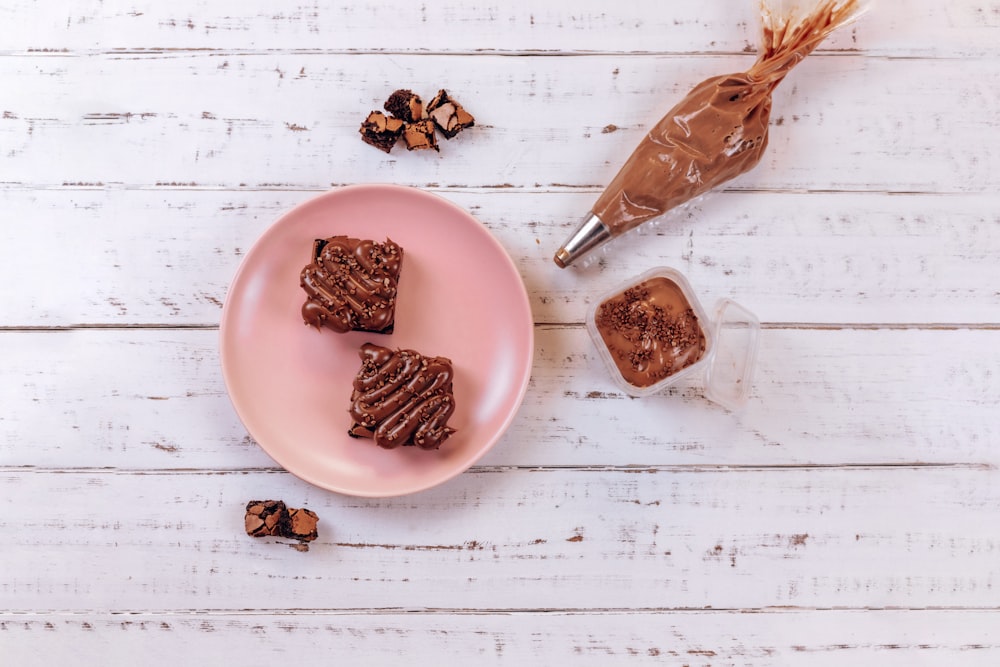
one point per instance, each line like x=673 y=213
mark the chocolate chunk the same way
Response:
x=301 y=525
x=402 y=397
x=405 y=105
x=264 y=517
x=420 y=135
x=380 y=131
x=351 y=285
x=270 y=518
x=448 y=115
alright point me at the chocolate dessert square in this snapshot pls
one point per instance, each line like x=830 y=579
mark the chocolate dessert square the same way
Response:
x=351 y=284
x=405 y=105
x=448 y=115
x=264 y=518
x=270 y=518
x=402 y=397
x=380 y=131
x=420 y=135
x=301 y=525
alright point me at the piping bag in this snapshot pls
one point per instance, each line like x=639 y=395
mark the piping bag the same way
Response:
x=713 y=135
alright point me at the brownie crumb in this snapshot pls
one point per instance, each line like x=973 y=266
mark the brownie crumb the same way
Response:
x=271 y=518
x=420 y=136
x=263 y=517
x=449 y=116
x=302 y=525
x=380 y=131
x=416 y=124
x=405 y=105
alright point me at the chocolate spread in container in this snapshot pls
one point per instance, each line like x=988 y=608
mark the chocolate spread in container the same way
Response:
x=651 y=331
x=717 y=132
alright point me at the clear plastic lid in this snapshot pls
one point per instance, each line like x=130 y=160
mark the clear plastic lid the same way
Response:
x=731 y=340
x=729 y=369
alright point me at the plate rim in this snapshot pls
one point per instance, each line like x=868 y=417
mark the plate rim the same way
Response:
x=524 y=372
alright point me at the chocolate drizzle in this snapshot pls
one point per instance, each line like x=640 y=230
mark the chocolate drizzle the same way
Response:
x=351 y=285
x=402 y=398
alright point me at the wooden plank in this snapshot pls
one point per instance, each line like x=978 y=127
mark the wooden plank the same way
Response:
x=291 y=120
x=696 y=638
x=953 y=29
x=167 y=257
x=516 y=540
x=155 y=399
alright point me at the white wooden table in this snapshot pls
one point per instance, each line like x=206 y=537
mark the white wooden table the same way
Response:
x=850 y=515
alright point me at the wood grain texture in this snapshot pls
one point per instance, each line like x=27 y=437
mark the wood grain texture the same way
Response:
x=166 y=257
x=512 y=540
x=847 y=516
x=951 y=29
x=102 y=398
x=693 y=638
x=291 y=120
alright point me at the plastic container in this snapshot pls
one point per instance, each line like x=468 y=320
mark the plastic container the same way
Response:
x=730 y=344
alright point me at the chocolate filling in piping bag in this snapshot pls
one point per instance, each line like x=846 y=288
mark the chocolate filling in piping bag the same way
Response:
x=716 y=133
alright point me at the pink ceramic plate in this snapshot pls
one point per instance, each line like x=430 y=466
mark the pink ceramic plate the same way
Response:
x=459 y=297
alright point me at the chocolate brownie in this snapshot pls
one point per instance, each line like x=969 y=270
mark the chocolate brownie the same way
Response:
x=420 y=135
x=402 y=397
x=380 y=131
x=351 y=284
x=264 y=517
x=270 y=518
x=405 y=105
x=448 y=115
x=301 y=525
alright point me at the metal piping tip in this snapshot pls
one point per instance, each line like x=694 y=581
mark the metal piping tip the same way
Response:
x=591 y=233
